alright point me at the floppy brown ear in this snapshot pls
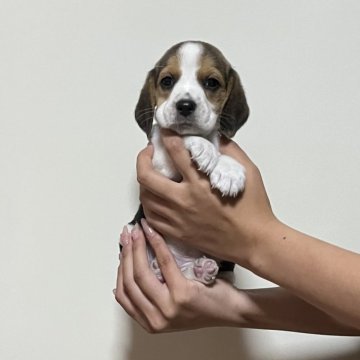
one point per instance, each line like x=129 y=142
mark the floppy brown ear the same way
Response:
x=144 y=111
x=236 y=110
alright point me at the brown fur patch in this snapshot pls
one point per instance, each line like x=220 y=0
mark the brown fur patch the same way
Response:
x=170 y=67
x=213 y=67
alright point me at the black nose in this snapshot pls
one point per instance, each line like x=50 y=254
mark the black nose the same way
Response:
x=185 y=107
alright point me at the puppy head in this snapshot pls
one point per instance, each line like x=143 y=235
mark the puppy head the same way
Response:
x=193 y=90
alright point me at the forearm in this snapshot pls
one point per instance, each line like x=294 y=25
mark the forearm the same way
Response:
x=278 y=309
x=324 y=275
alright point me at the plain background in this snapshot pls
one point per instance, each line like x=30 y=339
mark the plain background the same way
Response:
x=70 y=75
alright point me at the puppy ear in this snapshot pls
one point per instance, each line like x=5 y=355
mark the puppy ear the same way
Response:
x=144 y=111
x=235 y=111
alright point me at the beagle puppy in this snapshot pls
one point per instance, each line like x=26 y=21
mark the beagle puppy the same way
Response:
x=194 y=91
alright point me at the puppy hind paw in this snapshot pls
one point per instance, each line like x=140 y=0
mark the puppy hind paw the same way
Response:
x=205 y=270
x=154 y=266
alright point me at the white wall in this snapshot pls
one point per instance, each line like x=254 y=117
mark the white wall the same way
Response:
x=70 y=74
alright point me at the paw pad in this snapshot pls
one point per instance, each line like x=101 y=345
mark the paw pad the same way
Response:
x=205 y=270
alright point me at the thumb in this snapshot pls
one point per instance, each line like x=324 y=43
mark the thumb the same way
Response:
x=180 y=156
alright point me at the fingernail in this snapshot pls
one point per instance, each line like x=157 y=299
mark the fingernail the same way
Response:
x=124 y=239
x=147 y=229
x=114 y=291
x=135 y=232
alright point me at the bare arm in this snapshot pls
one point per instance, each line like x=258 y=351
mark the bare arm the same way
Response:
x=322 y=274
x=246 y=231
x=182 y=304
x=279 y=309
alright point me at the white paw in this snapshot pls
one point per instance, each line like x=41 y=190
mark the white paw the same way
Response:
x=228 y=176
x=203 y=152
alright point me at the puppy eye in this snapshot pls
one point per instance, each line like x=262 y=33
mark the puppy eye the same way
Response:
x=211 y=83
x=167 y=82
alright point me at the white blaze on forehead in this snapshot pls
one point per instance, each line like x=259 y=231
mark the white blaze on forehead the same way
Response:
x=189 y=56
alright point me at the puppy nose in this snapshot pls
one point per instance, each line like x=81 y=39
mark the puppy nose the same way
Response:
x=185 y=107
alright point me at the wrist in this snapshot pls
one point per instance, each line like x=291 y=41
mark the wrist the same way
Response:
x=263 y=234
x=238 y=310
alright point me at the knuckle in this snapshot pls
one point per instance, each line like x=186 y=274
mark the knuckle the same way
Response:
x=140 y=156
x=149 y=329
x=142 y=177
x=171 y=312
x=184 y=199
x=128 y=287
x=158 y=325
x=204 y=186
x=146 y=327
x=119 y=297
x=184 y=297
x=181 y=298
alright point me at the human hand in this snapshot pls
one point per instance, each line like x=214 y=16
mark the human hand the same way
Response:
x=181 y=304
x=177 y=304
x=194 y=213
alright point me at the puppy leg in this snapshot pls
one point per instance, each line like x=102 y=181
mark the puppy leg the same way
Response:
x=203 y=152
x=226 y=174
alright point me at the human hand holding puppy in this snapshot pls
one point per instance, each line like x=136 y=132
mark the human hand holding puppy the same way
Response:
x=183 y=304
x=193 y=213
x=177 y=304
x=317 y=294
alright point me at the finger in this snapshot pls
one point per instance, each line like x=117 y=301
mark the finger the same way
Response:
x=165 y=259
x=136 y=297
x=179 y=155
x=125 y=302
x=143 y=275
x=151 y=179
x=152 y=202
x=165 y=226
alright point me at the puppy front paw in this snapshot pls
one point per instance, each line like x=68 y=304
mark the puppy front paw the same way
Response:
x=228 y=176
x=203 y=152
